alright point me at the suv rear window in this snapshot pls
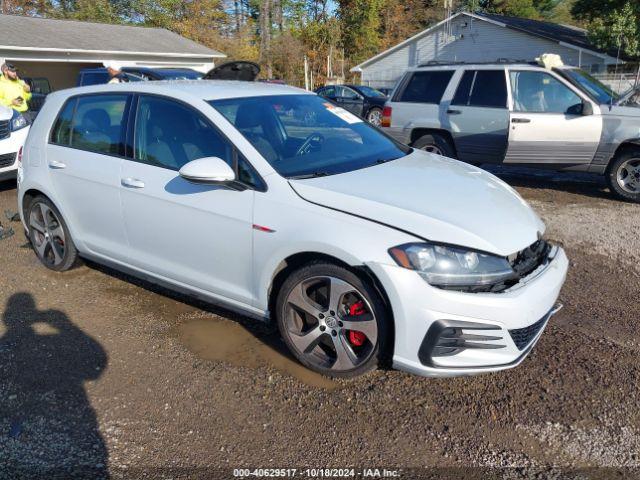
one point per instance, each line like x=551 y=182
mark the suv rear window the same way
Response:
x=482 y=88
x=425 y=87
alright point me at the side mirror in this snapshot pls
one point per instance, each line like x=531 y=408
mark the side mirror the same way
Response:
x=208 y=170
x=587 y=108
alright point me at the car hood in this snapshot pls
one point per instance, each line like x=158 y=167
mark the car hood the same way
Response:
x=620 y=111
x=435 y=198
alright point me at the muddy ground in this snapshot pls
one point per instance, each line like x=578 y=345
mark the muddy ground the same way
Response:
x=102 y=375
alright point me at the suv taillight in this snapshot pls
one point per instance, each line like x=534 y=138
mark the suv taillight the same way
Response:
x=20 y=157
x=386 y=117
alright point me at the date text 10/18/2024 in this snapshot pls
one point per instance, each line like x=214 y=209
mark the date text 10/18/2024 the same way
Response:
x=316 y=473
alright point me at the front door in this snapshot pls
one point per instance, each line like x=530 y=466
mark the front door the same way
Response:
x=350 y=100
x=478 y=117
x=197 y=235
x=547 y=124
x=85 y=157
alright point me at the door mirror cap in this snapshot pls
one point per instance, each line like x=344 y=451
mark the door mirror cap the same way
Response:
x=587 y=109
x=210 y=170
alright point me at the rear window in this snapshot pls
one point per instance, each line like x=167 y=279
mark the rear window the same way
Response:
x=425 y=87
x=482 y=88
x=93 y=123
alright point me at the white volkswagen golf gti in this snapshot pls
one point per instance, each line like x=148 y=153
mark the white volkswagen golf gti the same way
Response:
x=272 y=202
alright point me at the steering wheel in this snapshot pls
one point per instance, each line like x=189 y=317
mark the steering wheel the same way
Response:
x=313 y=140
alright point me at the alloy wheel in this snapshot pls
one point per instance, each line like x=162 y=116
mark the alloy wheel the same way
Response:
x=375 y=117
x=330 y=323
x=628 y=175
x=48 y=236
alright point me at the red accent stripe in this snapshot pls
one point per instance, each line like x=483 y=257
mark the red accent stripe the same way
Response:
x=260 y=228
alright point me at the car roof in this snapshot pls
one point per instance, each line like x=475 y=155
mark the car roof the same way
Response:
x=201 y=89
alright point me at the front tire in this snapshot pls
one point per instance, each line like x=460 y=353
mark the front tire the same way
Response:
x=435 y=143
x=333 y=322
x=623 y=175
x=49 y=235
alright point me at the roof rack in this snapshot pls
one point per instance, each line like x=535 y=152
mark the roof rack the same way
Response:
x=501 y=61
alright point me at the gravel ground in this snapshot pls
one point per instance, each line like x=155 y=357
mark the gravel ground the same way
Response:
x=105 y=376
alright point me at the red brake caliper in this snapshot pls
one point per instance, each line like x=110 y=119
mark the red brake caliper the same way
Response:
x=357 y=339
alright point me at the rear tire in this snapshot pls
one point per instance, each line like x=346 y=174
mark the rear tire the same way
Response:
x=435 y=143
x=49 y=235
x=623 y=175
x=332 y=321
x=374 y=116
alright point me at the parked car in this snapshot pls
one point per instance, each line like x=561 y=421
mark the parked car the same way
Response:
x=164 y=73
x=14 y=128
x=386 y=91
x=520 y=114
x=366 y=102
x=40 y=88
x=98 y=76
x=276 y=203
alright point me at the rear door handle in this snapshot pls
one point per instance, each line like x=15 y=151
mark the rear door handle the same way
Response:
x=520 y=120
x=56 y=165
x=454 y=112
x=132 y=183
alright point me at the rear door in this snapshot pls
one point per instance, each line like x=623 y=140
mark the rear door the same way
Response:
x=478 y=118
x=84 y=156
x=547 y=124
x=197 y=235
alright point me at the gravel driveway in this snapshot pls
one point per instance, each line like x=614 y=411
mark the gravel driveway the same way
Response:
x=107 y=376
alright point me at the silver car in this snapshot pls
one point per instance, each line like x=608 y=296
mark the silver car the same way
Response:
x=520 y=114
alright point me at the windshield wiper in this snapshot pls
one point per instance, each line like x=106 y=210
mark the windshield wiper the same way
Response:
x=309 y=175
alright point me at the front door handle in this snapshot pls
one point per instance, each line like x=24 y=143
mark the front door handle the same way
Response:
x=56 y=165
x=520 y=120
x=132 y=183
x=454 y=112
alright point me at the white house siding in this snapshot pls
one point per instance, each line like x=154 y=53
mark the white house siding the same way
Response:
x=479 y=41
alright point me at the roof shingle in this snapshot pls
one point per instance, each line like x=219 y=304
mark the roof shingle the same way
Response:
x=33 y=32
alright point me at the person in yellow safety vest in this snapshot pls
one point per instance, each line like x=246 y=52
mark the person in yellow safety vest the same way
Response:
x=14 y=93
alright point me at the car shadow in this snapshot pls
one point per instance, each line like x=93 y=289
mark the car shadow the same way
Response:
x=587 y=184
x=265 y=332
x=48 y=428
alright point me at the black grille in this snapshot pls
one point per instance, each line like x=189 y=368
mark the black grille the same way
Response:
x=7 y=159
x=523 y=336
x=5 y=128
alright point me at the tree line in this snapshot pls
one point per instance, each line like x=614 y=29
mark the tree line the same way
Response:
x=333 y=35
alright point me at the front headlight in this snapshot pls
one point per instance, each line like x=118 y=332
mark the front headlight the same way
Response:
x=448 y=266
x=18 y=121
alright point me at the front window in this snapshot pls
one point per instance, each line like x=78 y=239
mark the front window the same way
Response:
x=306 y=136
x=593 y=87
x=539 y=92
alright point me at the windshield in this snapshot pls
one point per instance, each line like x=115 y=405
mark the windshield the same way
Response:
x=371 y=92
x=595 y=88
x=306 y=136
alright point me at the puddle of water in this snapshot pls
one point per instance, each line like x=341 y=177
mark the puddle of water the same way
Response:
x=225 y=341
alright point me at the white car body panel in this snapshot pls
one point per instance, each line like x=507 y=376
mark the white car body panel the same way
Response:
x=226 y=246
x=11 y=144
x=452 y=202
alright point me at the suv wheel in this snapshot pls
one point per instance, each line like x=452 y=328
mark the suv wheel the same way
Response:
x=435 y=143
x=623 y=175
x=49 y=235
x=333 y=322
